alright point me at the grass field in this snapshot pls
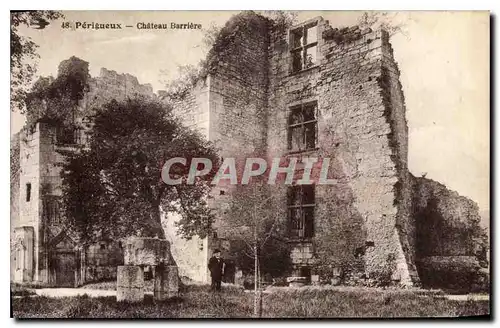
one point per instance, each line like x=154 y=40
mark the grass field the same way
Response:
x=199 y=302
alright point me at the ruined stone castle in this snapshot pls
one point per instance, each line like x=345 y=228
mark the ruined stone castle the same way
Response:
x=42 y=249
x=304 y=91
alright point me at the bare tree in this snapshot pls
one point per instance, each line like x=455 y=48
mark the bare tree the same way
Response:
x=389 y=21
x=255 y=213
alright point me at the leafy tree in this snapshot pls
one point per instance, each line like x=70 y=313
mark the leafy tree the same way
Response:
x=187 y=76
x=23 y=55
x=210 y=35
x=113 y=187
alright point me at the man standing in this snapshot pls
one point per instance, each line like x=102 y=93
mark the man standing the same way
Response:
x=216 y=266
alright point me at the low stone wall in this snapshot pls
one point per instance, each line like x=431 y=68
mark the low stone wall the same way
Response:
x=447 y=223
x=147 y=251
x=451 y=246
x=99 y=273
x=101 y=260
x=451 y=272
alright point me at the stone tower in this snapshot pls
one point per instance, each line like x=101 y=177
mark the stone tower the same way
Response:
x=314 y=91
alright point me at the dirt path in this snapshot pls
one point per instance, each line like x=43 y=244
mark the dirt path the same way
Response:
x=71 y=292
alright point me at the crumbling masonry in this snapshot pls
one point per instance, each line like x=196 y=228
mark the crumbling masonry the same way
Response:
x=314 y=91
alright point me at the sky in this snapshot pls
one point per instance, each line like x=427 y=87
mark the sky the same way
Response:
x=443 y=58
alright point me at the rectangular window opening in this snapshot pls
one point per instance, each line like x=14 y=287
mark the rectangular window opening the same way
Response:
x=69 y=136
x=304 y=42
x=52 y=211
x=310 y=55
x=28 y=192
x=297 y=61
x=302 y=127
x=301 y=204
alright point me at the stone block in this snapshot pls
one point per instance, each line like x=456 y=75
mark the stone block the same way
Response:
x=129 y=284
x=166 y=283
x=238 y=278
x=336 y=281
x=146 y=251
x=315 y=280
x=296 y=281
x=296 y=284
x=130 y=295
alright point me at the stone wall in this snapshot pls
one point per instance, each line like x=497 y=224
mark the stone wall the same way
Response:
x=238 y=87
x=451 y=248
x=193 y=108
x=361 y=127
x=190 y=256
x=112 y=85
x=392 y=93
x=448 y=224
x=22 y=260
x=101 y=260
x=14 y=195
x=29 y=211
x=449 y=239
x=229 y=106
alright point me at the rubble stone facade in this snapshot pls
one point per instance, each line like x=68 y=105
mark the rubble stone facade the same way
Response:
x=344 y=83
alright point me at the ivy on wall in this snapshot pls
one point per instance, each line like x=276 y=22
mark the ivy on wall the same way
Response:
x=220 y=42
x=55 y=100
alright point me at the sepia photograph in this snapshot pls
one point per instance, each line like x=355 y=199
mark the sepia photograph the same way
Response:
x=250 y=164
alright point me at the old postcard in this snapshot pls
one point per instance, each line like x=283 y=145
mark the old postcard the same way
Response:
x=253 y=164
